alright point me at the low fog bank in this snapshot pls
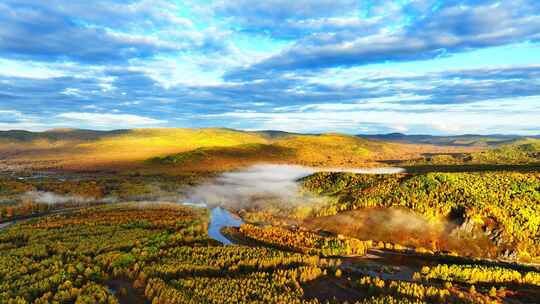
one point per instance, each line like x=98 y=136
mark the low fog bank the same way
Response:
x=405 y=227
x=249 y=187
x=259 y=184
x=267 y=187
x=264 y=184
x=51 y=198
x=380 y=224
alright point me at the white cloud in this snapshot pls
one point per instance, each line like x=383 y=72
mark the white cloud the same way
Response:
x=71 y=92
x=10 y=113
x=91 y=107
x=29 y=69
x=130 y=103
x=16 y=120
x=488 y=116
x=111 y=120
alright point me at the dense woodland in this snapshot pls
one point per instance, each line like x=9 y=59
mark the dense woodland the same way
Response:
x=19 y=197
x=504 y=205
x=305 y=241
x=161 y=254
x=158 y=250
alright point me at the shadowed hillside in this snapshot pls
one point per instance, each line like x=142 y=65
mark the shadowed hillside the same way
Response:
x=223 y=158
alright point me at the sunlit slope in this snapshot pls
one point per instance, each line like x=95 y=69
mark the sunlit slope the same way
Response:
x=55 y=135
x=24 y=141
x=117 y=147
x=522 y=151
x=332 y=149
x=341 y=150
x=328 y=150
x=312 y=150
x=176 y=150
x=349 y=151
x=139 y=144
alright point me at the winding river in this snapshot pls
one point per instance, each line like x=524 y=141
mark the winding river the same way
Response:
x=221 y=218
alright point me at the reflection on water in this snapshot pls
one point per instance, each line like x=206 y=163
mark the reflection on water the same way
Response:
x=221 y=218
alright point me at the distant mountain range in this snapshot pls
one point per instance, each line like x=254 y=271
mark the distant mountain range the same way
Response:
x=56 y=135
x=212 y=149
x=452 y=140
x=91 y=135
x=198 y=149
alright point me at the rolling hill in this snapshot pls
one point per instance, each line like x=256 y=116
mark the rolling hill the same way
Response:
x=457 y=140
x=56 y=135
x=175 y=150
x=519 y=151
x=324 y=150
x=81 y=149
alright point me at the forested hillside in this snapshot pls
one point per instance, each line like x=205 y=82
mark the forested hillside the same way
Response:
x=505 y=205
x=518 y=152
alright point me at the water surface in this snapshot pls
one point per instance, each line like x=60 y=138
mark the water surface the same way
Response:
x=219 y=219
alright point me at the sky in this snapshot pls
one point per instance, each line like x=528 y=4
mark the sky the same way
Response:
x=350 y=66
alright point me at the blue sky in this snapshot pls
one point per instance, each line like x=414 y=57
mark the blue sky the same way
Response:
x=352 y=66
